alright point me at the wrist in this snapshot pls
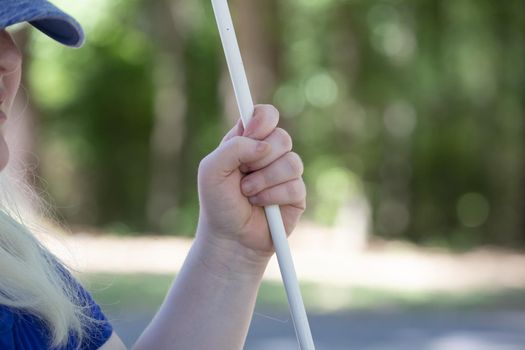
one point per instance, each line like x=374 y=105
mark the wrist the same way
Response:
x=228 y=259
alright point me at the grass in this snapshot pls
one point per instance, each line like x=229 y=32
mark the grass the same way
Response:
x=146 y=291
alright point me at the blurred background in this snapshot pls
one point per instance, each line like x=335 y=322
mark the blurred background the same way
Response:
x=409 y=117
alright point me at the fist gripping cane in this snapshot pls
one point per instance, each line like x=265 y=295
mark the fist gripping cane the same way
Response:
x=273 y=213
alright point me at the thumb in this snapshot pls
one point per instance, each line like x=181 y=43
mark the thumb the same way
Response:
x=229 y=156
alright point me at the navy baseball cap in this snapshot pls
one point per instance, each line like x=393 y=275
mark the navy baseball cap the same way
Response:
x=44 y=16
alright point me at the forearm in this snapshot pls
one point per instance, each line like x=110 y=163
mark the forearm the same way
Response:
x=211 y=302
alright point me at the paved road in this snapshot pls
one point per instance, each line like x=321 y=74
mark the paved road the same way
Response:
x=374 y=330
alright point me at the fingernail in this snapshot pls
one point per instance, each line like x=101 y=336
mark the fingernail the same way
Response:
x=262 y=146
x=248 y=187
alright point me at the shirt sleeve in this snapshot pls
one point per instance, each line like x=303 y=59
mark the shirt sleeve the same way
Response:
x=101 y=330
x=6 y=325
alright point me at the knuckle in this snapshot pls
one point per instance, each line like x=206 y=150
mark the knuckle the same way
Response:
x=272 y=110
x=204 y=164
x=295 y=163
x=285 y=138
x=267 y=109
x=294 y=189
x=301 y=192
x=300 y=205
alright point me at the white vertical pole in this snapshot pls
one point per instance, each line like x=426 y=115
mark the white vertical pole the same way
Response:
x=273 y=213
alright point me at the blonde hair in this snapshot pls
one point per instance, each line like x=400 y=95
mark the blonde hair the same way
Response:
x=32 y=279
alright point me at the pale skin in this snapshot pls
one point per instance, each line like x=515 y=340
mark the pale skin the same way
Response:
x=211 y=302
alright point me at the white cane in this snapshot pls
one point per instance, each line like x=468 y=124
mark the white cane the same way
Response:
x=273 y=213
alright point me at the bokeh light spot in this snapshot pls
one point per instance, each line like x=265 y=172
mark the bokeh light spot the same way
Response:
x=390 y=34
x=290 y=100
x=321 y=90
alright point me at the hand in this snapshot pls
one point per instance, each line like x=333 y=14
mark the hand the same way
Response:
x=250 y=169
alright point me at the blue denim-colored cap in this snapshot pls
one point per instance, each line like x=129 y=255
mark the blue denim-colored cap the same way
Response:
x=44 y=16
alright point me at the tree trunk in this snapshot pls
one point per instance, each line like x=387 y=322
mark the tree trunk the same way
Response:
x=170 y=108
x=255 y=25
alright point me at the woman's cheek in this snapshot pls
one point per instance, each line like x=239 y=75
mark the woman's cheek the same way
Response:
x=12 y=84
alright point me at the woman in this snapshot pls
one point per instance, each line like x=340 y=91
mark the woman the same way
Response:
x=210 y=304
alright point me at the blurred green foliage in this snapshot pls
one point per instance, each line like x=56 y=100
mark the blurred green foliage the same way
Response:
x=416 y=106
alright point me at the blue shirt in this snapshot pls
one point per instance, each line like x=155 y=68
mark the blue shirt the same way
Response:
x=23 y=331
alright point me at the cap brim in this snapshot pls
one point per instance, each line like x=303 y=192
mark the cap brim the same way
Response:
x=46 y=17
